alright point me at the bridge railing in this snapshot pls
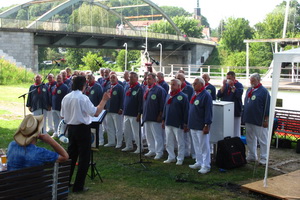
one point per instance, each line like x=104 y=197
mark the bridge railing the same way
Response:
x=66 y=27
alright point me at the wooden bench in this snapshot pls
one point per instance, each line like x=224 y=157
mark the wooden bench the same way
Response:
x=50 y=181
x=288 y=123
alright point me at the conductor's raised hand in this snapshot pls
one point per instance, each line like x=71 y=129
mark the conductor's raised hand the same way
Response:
x=106 y=96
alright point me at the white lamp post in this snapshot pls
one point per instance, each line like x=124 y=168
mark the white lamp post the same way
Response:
x=160 y=55
x=125 y=45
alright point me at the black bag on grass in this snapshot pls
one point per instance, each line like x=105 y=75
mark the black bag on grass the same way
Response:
x=231 y=153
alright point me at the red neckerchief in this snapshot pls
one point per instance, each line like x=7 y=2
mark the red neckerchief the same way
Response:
x=92 y=84
x=195 y=95
x=55 y=89
x=160 y=82
x=39 y=88
x=229 y=88
x=183 y=85
x=112 y=87
x=64 y=79
x=148 y=89
x=50 y=85
x=172 y=94
x=206 y=84
x=128 y=93
x=88 y=89
x=144 y=82
x=105 y=82
x=68 y=76
x=253 y=89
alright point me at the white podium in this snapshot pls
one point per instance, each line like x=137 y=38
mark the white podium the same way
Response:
x=222 y=121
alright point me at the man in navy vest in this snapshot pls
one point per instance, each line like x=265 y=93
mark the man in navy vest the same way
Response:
x=114 y=109
x=162 y=82
x=100 y=80
x=256 y=117
x=175 y=118
x=126 y=79
x=189 y=92
x=51 y=83
x=58 y=92
x=95 y=92
x=209 y=87
x=154 y=100
x=133 y=104
x=38 y=101
x=232 y=90
x=200 y=118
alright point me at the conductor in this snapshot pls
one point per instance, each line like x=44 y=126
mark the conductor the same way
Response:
x=77 y=111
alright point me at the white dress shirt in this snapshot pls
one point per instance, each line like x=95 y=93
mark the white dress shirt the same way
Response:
x=76 y=108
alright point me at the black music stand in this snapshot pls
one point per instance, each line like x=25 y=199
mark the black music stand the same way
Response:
x=95 y=125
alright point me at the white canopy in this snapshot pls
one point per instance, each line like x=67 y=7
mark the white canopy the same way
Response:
x=292 y=55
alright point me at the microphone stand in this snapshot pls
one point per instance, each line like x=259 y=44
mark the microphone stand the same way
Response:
x=141 y=161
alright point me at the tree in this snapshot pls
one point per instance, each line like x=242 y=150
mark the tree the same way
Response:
x=187 y=26
x=132 y=55
x=74 y=56
x=91 y=61
x=236 y=30
x=173 y=11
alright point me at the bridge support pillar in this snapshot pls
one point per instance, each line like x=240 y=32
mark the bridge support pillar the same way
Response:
x=19 y=48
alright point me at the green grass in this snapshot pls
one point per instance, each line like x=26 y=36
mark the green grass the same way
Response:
x=157 y=181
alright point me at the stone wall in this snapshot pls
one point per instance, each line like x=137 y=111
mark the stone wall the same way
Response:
x=20 y=46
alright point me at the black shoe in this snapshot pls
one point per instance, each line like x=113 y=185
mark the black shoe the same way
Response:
x=85 y=189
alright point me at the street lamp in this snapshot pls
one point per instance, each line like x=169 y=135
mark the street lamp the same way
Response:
x=125 y=45
x=160 y=55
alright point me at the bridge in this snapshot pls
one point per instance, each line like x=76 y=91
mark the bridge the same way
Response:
x=20 y=38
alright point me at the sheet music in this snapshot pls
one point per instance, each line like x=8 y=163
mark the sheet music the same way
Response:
x=100 y=116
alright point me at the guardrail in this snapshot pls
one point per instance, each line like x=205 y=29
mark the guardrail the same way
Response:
x=78 y=28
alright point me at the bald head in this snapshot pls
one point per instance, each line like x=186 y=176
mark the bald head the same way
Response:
x=206 y=78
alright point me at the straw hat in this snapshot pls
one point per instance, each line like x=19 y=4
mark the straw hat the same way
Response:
x=29 y=129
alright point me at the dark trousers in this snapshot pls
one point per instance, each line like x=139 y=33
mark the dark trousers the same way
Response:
x=79 y=148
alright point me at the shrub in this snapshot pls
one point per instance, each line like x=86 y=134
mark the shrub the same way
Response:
x=11 y=74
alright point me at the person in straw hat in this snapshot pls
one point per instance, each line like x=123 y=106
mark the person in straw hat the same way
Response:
x=23 y=152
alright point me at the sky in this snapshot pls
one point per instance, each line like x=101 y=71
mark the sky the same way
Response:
x=214 y=10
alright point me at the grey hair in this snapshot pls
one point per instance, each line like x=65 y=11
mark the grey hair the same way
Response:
x=201 y=80
x=135 y=74
x=180 y=74
x=256 y=76
x=160 y=74
x=90 y=75
x=177 y=81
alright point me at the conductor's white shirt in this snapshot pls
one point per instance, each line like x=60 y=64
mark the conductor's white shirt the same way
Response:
x=76 y=108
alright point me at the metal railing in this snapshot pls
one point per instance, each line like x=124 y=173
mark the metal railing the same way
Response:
x=78 y=28
x=214 y=71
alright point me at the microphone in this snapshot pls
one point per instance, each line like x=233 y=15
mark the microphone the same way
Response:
x=99 y=64
x=58 y=64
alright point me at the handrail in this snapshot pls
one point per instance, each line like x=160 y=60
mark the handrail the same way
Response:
x=77 y=28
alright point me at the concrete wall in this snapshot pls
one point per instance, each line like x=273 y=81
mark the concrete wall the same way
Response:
x=20 y=46
x=200 y=51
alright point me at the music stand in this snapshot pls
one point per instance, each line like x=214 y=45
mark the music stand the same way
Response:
x=95 y=125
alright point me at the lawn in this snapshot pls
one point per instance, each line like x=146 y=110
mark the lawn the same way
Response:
x=125 y=181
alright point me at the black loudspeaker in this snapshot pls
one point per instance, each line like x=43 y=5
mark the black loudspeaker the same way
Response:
x=284 y=143
x=298 y=147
